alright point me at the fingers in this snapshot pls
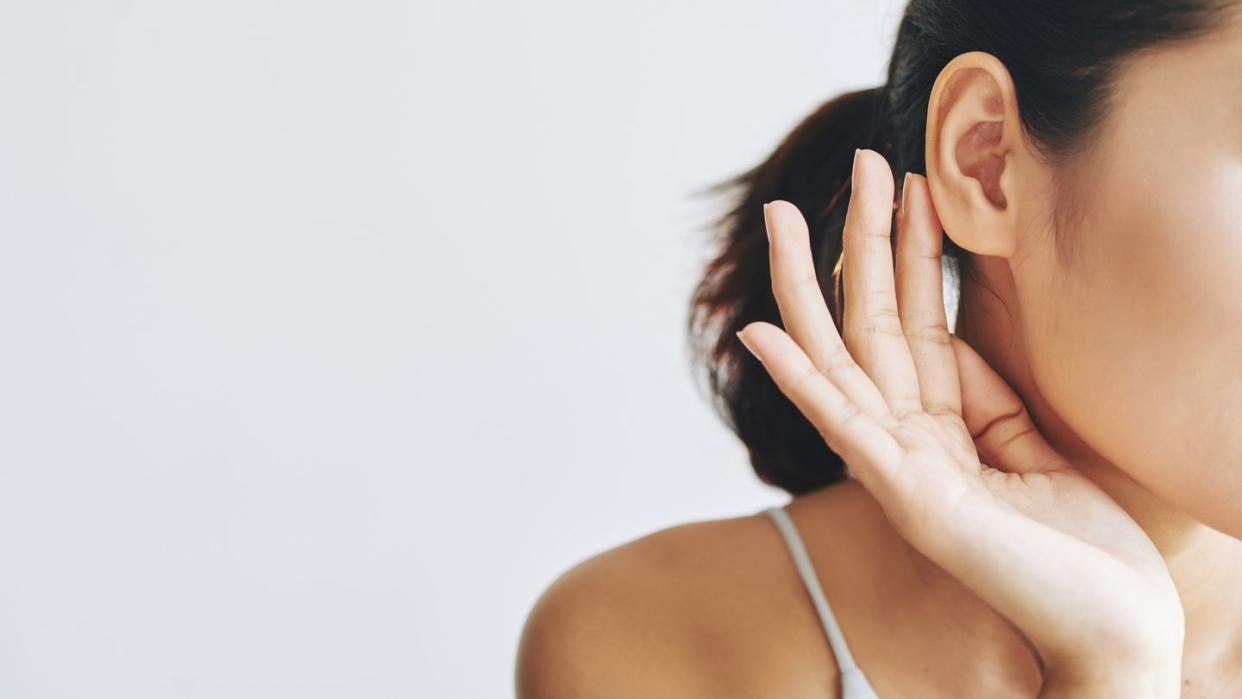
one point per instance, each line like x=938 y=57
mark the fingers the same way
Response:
x=872 y=453
x=872 y=326
x=804 y=313
x=1004 y=434
x=920 y=298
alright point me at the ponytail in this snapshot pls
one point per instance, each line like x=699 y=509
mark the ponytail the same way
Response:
x=811 y=168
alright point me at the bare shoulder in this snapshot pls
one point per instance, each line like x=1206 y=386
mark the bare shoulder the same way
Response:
x=705 y=608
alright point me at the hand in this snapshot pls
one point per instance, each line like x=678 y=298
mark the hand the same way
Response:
x=1027 y=532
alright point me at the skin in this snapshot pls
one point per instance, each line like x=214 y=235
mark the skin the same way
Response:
x=1092 y=536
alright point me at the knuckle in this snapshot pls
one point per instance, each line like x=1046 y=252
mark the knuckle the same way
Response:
x=932 y=407
x=908 y=405
x=833 y=434
x=807 y=377
x=804 y=282
x=1003 y=430
x=884 y=312
x=840 y=361
x=882 y=325
x=850 y=415
x=1021 y=431
x=880 y=298
x=936 y=334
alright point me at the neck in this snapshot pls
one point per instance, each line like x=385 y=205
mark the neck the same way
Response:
x=1205 y=564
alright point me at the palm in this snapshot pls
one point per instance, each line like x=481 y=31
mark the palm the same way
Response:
x=1001 y=510
x=1056 y=496
x=1051 y=529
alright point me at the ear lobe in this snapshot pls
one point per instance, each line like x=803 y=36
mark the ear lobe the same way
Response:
x=972 y=135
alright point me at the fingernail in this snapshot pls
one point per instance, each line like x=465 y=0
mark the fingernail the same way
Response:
x=854 y=171
x=766 y=228
x=744 y=343
x=905 y=190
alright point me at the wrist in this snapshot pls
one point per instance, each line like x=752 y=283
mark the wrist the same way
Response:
x=1121 y=665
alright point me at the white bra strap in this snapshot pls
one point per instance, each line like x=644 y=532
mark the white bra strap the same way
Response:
x=845 y=660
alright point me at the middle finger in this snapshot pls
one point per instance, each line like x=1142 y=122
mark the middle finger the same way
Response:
x=872 y=325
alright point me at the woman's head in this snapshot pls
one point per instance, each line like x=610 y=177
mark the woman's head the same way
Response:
x=1085 y=159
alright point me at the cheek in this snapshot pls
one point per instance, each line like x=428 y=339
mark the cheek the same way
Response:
x=1139 y=341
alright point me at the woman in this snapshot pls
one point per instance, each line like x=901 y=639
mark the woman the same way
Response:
x=1044 y=502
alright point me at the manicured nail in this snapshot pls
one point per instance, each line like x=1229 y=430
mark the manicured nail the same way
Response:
x=905 y=192
x=854 y=171
x=744 y=343
x=767 y=229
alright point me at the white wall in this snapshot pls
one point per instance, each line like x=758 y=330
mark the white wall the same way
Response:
x=333 y=332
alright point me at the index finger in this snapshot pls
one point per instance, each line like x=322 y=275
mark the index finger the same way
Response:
x=872 y=453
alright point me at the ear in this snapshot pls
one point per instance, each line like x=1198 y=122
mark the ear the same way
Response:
x=977 y=155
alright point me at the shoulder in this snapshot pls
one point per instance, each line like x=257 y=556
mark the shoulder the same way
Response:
x=703 y=608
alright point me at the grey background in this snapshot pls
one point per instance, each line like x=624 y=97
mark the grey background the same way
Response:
x=333 y=332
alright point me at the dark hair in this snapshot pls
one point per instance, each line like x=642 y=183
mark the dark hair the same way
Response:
x=1063 y=56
